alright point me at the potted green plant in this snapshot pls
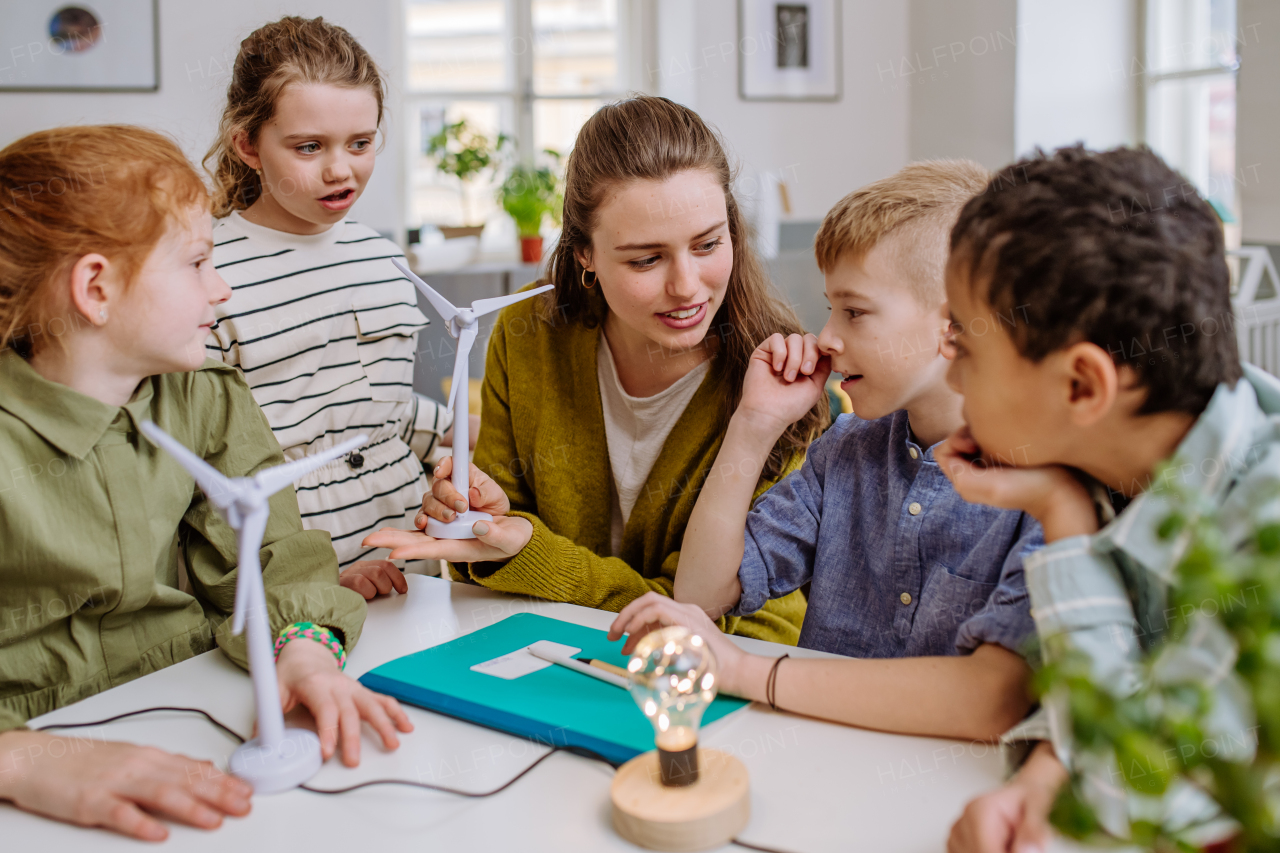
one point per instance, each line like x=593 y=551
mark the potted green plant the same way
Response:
x=464 y=152
x=1225 y=599
x=530 y=194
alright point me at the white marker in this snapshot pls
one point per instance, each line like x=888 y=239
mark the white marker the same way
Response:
x=554 y=656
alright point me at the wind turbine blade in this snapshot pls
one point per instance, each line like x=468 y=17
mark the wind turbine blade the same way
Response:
x=274 y=479
x=493 y=303
x=443 y=306
x=461 y=370
x=219 y=489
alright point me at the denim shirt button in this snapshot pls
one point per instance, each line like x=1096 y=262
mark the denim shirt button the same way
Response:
x=915 y=508
x=905 y=598
x=915 y=454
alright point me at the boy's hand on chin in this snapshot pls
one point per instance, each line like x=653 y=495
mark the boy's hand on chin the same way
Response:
x=1050 y=494
x=785 y=378
x=309 y=676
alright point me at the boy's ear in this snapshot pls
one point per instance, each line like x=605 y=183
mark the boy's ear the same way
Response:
x=245 y=150
x=1094 y=383
x=946 y=331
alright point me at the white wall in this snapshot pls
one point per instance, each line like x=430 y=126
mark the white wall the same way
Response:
x=824 y=150
x=198 y=42
x=1075 y=74
x=959 y=68
x=1258 y=120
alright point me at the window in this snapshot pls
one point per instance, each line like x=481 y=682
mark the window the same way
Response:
x=1190 y=79
x=533 y=69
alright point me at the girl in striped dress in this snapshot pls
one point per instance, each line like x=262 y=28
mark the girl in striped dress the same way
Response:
x=322 y=325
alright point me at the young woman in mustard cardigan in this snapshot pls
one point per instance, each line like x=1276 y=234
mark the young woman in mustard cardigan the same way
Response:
x=606 y=401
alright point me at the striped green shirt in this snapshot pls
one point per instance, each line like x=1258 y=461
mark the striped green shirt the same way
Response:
x=95 y=522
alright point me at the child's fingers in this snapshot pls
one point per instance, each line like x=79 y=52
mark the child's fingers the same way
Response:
x=224 y=792
x=627 y=614
x=372 y=712
x=174 y=801
x=358 y=583
x=795 y=354
x=639 y=633
x=810 y=356
x=349 y=726
x=395 y=712
x=119 y=815
x=326 y=716
x=775 y=351
x=398 y=581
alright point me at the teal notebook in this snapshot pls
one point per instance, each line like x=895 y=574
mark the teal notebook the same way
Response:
x=555 y=705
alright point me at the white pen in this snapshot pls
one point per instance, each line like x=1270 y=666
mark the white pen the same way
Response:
x=577 y=666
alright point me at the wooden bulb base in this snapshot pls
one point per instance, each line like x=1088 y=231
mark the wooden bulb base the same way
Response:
x=706 y=814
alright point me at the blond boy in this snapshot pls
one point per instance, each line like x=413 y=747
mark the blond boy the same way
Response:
x=926 y=589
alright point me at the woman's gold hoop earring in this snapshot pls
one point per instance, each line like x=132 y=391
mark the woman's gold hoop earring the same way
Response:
x=594 y=278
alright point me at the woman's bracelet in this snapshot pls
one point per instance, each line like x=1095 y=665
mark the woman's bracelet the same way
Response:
x=312 y=631
x=771 y=684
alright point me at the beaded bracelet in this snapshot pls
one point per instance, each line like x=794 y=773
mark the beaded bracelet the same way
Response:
x=312 y=631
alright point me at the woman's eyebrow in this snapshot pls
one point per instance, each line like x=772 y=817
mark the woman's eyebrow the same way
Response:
x=636 y=247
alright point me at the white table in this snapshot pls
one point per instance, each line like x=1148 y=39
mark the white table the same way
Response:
x=815 y=786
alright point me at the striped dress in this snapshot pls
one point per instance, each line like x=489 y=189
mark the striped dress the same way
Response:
x=325 y=330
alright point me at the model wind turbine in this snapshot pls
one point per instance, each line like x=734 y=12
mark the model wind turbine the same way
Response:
x=463 y=323
x=278 y=759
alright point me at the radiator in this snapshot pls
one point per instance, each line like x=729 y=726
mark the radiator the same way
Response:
x=1256 y=304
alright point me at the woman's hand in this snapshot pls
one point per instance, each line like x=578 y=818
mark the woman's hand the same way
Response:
x=372 y=578
x=785 y=378
x=1050 y=494
x=496 y=541
x=443 y=503
x=117 y=786
x=653 y=610
x=309 y=676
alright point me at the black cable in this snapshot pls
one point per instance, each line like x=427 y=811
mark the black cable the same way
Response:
x=757 y=846
x=585 y=753
x=225 y=728
x=576 y=750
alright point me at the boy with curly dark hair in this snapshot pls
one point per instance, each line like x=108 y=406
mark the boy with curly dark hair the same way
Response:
x=1094 y=342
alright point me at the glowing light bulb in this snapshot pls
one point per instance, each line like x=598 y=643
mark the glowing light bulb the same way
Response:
x=672 y=675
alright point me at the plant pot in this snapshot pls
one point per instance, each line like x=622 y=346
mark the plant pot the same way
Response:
x=531 y=249
x=452 y=232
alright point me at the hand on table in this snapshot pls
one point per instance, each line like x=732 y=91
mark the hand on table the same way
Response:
x=309 y=676
x=785 y=378
x=653 y=610
x=1051 y=494
x=372 y=578
x=1014 y=818
x=116 y=786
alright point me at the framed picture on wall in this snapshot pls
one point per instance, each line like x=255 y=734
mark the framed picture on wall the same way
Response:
x=789 y=50
x=73 y=46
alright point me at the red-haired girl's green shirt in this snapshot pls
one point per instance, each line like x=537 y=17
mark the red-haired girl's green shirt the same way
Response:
x=95 y=519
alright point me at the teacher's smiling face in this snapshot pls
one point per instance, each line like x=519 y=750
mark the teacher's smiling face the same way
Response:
x=662 y=256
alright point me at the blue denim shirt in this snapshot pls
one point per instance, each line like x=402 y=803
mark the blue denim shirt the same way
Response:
x=900 y=565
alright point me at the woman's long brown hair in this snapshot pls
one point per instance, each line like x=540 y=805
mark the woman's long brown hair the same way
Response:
x=651 y=139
